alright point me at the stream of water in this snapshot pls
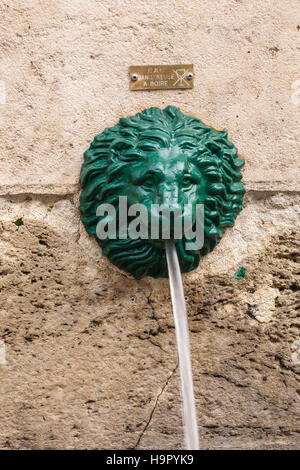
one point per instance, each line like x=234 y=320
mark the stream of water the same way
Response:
x=183 y=346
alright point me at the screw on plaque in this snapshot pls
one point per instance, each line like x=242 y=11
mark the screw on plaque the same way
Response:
x=134 y=77
x=190 y=76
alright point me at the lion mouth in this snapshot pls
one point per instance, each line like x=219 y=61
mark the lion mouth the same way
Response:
x=170 y=228
x=160 y=243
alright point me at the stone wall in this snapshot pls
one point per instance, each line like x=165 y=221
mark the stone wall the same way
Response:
x=88 y=354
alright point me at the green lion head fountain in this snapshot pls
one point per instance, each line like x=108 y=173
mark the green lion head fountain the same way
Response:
x=160 y=158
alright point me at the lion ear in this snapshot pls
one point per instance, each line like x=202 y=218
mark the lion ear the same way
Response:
x=122 y=149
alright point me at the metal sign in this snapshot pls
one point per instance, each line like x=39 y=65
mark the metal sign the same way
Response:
x=161 y=77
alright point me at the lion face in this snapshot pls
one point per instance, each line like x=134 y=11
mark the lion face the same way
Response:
x=169 y=162
x=169 y=185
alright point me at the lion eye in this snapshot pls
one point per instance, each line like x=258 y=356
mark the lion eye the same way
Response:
x=148 y=182
x=187 y=183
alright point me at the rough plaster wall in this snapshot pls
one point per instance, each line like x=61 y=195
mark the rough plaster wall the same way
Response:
x=90 y=353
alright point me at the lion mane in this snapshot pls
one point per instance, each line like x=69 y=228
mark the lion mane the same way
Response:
x=103 y=179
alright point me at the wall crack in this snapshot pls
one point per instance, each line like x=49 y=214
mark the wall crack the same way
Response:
x=155 y=406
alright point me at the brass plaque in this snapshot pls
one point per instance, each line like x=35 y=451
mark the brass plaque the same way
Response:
x=161 y=77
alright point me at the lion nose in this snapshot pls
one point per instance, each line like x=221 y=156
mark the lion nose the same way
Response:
x=169 y=200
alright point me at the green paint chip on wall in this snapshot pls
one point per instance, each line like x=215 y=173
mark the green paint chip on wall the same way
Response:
x=240 y=273
x=18 y=222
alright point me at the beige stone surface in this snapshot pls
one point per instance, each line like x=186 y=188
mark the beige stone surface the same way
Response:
x=91 y=353
x=65 y=65
x=88 y=354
